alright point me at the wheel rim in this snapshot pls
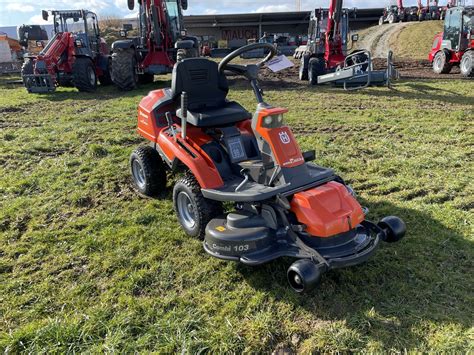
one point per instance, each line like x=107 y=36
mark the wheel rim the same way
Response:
x=186 y=210
x=465 y=64
x=296 y=282
x=91 y=76
x=438 y=62
x=138 y=174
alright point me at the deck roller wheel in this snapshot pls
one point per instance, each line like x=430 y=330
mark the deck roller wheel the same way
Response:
x=304 y=275
x=394 y=228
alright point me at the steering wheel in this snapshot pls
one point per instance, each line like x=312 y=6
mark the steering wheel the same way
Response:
x=243 y=69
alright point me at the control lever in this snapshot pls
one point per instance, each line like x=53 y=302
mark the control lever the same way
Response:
x=243 y=172
x=169 y=119
x=184 y=113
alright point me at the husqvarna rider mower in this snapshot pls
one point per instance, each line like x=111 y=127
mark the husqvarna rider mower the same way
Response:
x=285 y=205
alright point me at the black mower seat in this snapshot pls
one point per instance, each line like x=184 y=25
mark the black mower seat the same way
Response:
x=206 y=90
x=232 y=112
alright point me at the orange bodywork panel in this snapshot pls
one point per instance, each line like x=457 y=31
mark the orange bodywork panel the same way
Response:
x=147 y=123
x=152 y=126
x=191 y=155
x=327 y=210
x=281 y=140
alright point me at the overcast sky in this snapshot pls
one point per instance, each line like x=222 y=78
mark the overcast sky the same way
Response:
x=16 y=12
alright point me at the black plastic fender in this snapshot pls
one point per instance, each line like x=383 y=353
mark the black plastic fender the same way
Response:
x=123 y=44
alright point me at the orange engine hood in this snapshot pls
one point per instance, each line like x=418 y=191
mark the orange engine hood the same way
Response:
x=327 y=210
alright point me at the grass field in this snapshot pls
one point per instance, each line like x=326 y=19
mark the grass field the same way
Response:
x=415 y=41
x=88 y=265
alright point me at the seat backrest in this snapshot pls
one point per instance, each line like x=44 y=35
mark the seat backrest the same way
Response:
x=199 y=78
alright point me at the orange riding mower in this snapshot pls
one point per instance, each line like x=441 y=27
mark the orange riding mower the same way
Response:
x=285 y=205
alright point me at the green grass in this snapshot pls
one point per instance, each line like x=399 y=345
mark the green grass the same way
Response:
x=415 y=41
x=86 y=264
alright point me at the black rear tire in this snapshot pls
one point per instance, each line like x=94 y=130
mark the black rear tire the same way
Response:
x=316 y=67
x=124 y=73
x=193 y=210
x=467 y=64
x=441 y=64
x=148 y=171
x=84 y=76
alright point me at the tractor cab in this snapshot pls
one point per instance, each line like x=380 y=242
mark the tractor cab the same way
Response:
x=458 y=29
x=82 y=25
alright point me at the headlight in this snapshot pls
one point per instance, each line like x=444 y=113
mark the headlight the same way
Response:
x=273 y=121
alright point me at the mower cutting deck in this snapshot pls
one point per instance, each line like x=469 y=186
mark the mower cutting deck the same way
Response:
x=285 y=205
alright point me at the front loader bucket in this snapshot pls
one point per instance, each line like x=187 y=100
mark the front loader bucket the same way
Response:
x=38 y=83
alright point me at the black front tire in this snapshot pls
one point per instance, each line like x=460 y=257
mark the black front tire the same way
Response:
x=148 y=171
x=304 y=275
x=106 y=77
x=193 y=210
x=84 y=76
x=303 y=72
x=27 y=69
x=393 y=227
x=467 y=64
x=124 y=73
x=316 y=67
x=441 y=64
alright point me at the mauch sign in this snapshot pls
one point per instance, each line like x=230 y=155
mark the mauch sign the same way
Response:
x=239 y=34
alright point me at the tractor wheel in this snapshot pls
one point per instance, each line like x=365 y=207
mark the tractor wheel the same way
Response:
x=303 y=72
x=391 y=18
x=27 y=67
x=106 y=78
x=381 y=21
x=124 y=73
x=193 y=210
x=148 y=171
x=146 y=78
x=440 y=63
x=84 y=77
x=467 y=64
x=316 y=67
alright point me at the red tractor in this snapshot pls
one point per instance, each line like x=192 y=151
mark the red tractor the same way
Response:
x=75 y=56
x=455 y=45
x=160 y=42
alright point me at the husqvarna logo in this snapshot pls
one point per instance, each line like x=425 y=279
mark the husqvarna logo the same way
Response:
x=143 y=117
x=284 y=137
